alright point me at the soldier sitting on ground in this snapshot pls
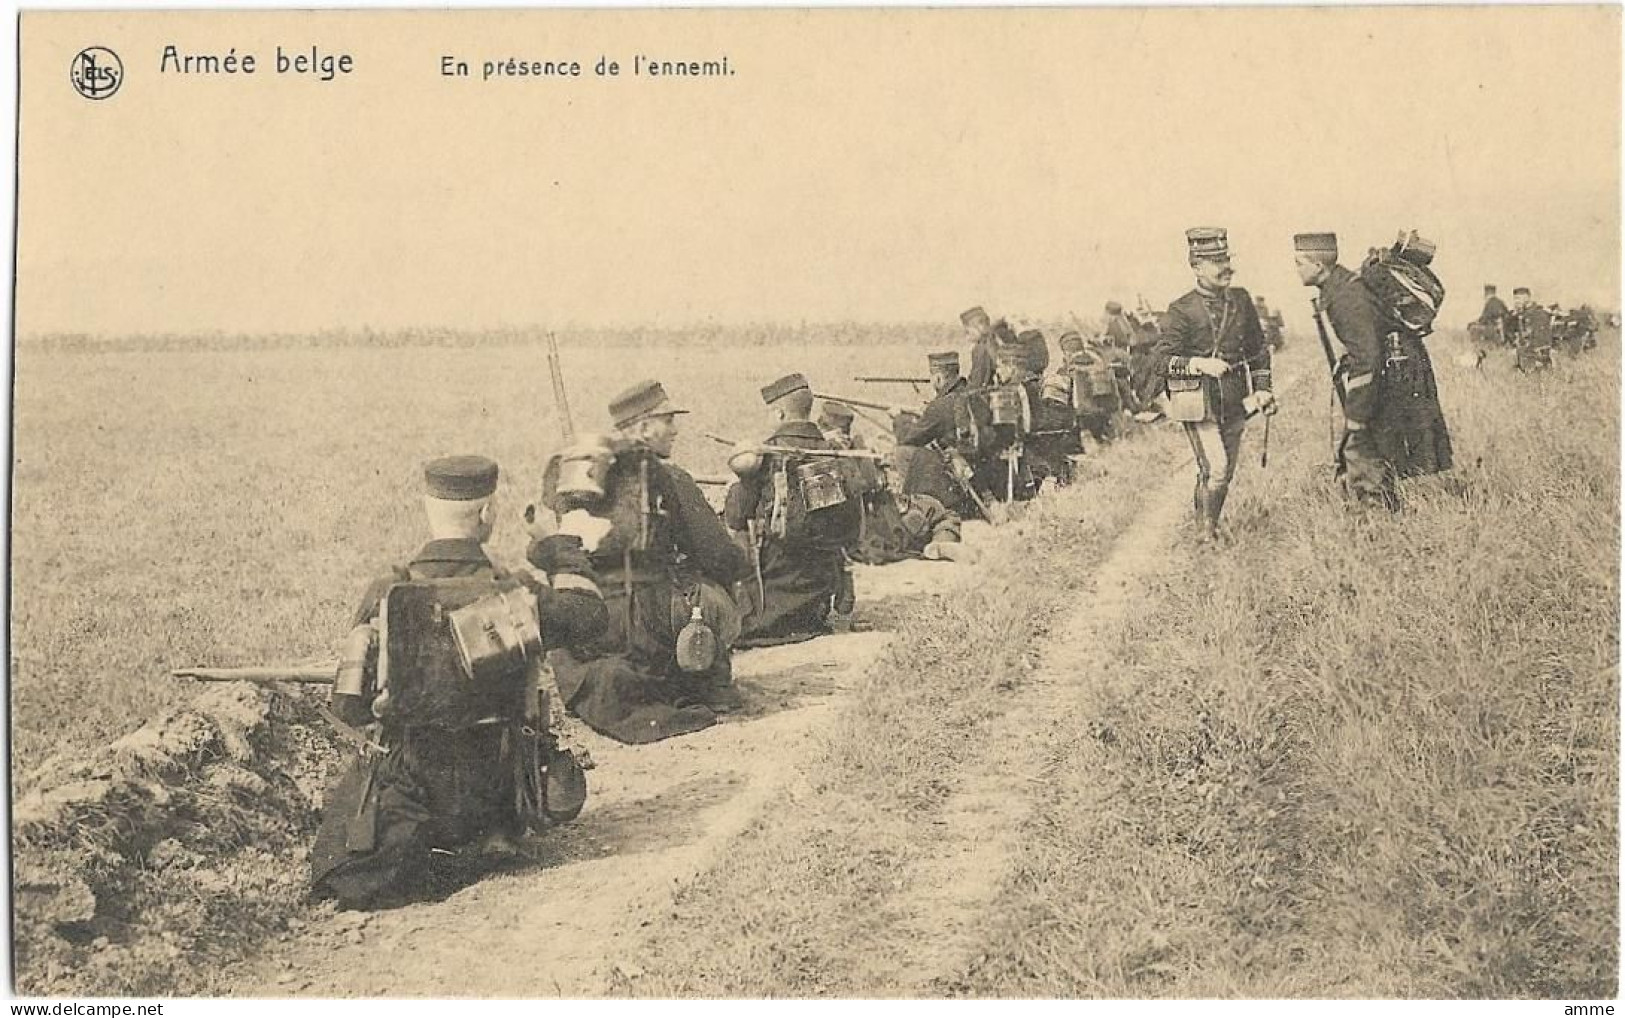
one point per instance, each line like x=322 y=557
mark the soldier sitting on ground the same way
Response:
x=895 y=526
x=664 y=664
x=935 y=446
x=1005 y=467
x=795 y=514
x=456 y=748
x=1095 y=387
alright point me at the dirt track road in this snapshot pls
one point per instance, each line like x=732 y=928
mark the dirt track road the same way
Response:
x=659 y=815
x=656 y=816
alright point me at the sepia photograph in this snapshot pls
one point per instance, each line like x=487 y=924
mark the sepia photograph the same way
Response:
x=903 y=503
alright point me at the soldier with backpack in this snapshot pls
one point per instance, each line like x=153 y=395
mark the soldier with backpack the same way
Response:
x=1393 y=424
x=664 y=664
x=440 y=693
x=936 y=446
x=895 y=526
x=795 y=514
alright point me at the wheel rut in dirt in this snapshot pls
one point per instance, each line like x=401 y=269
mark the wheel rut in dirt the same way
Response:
x=934 y=934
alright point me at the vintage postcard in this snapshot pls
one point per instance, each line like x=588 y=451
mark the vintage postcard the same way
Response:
x=904 y=503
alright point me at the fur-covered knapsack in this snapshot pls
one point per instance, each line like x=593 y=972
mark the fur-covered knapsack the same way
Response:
x=1408 y=292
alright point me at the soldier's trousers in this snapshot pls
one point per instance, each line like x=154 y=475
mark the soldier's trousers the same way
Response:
x=1217 y=448
x=1368 y=477
x=436 y=789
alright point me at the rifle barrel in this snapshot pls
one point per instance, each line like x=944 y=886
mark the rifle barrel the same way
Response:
x=317 y=674
x=890 y=378
x=867 y=404
x=790 y=450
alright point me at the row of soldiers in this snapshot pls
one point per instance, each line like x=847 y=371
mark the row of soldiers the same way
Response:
x=1532 y=330
x=638 y=591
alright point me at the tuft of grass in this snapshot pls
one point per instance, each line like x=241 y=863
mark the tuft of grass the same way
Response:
x=1356 y=755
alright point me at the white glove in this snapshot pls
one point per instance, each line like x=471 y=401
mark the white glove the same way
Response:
x=1212 y=367
x=1267 y=402
x=580 y=523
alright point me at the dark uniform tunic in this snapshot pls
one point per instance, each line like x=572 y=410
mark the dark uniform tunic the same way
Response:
x=1223 y=325
x=626 y=683
x=895 y=526
x=438 y=787
x=1395 y=424
x=1004 y=466
x=1533 y=332
x=935 y=430
x=1492 y=321
x=981 y=362
x=802 y=571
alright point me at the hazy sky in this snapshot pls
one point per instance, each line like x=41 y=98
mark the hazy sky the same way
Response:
x=869 y=165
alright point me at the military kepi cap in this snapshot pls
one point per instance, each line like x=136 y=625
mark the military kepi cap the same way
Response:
x=1489 y=288
x=1208 y=242
x=972 y=315
x=943 y=361
x=1113 y=308
x=1315 y=243
x=460 y=478
x=1071 y=342
x=837 y=413
x=1521 y=289
x=784 y=387
x=645 y=399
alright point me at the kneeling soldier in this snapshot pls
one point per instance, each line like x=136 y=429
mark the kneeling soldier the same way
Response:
x=439 y=688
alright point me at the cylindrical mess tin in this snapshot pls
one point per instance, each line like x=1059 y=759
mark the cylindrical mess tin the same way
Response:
x=497 y=633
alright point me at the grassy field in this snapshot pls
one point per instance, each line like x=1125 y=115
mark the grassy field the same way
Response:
x=179 y=507
x=1345 y=756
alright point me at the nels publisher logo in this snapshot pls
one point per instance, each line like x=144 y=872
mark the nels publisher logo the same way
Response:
x=96 y=72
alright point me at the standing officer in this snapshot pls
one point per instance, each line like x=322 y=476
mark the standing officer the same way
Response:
x=1212 y=346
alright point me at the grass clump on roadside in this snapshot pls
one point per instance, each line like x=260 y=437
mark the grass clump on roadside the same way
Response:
x=1356 y=756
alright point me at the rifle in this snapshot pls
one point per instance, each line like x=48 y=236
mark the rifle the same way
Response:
x=1326 y=347
x=961 y=472
x=1337 y=379
x=786 y=450
x=320 y=674
x=867 y=404
x=561 y=399
x=895 y=379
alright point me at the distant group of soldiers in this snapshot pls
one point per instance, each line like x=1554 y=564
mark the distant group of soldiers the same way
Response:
x=649 y=589
x=1533 y=331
